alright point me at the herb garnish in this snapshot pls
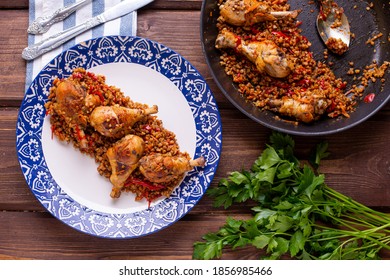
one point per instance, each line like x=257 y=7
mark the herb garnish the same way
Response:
x=297 y=214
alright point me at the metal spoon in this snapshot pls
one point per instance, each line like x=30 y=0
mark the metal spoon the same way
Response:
x=332 y=22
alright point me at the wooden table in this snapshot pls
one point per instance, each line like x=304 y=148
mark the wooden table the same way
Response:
x=359 y=164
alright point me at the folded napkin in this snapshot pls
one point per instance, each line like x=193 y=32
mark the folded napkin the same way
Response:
x=124 y=26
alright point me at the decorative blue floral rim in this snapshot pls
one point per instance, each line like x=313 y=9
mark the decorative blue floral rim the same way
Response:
x=105 y=50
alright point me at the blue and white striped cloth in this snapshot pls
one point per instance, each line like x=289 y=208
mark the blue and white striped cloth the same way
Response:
x=125 y=26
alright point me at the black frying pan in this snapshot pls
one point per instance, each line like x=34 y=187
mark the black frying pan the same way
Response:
x=363 y=23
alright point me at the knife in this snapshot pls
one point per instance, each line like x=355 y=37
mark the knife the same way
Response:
x=56 y=40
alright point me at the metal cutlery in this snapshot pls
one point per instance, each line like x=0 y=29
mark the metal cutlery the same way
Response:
x=332 y=22
x=42 y=24
x=55 y=41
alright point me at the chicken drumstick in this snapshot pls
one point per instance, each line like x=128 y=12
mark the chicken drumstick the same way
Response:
x=266 y=55
x=249 y=12
x=124 y=157
x=116 y=121
x=160 y=168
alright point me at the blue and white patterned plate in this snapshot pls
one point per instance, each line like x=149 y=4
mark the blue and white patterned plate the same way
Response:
x=67 y=183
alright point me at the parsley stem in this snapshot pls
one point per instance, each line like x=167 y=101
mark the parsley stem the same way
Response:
x=361 y=207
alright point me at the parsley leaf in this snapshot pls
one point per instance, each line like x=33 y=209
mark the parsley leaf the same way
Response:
x=319 y=154
x=296 y=212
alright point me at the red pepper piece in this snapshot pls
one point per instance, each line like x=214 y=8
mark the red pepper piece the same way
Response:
x=77 y=75
x=254 y=30
x=98 y=93
x=331 y=107
x=290 y=92
x=304 y=82
x=369 y=98
x=145 y=184
x=281 y=34
x=79 y=134
x=52 y=128
x=147 y=127
x=282 y=85
x=92 y=76
x=238 y=43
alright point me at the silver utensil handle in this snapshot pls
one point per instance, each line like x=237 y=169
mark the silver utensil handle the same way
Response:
x=57 y=40
x=42 y=24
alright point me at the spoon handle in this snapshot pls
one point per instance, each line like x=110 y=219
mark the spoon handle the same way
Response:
x=42 y=24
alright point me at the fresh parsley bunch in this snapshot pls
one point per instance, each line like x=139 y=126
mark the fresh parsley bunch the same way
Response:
x=297 y=214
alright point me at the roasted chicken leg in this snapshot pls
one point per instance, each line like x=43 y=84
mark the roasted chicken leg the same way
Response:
x=160 y=168
x=116 y=121
x=124 y=157
x=306 y=109
x=266 y=55
x=70 y=101
x=249 y=12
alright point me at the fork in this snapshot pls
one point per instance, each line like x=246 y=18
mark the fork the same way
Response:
x=42 y=24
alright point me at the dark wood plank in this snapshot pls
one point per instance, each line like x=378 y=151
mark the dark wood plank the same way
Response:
x=13 y=25
x=157 y=4
x=50 y=239
x=176 y=4
x=15 y=4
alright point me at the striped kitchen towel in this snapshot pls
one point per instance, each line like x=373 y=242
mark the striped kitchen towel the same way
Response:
x=125 y=26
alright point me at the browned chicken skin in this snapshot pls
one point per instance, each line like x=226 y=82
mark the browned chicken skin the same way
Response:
x=158 y=168
x=249 y=12
x=124 y=158
x=71 y=98
x=266 y=55
x=306 y=110
x=116 y=121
